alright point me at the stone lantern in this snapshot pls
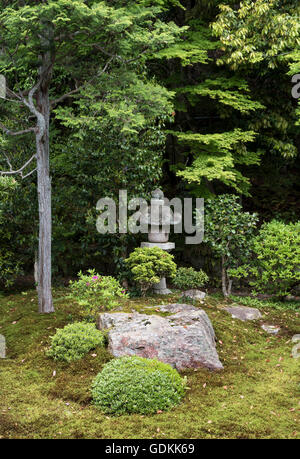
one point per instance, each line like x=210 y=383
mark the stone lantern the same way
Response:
x=160 y=217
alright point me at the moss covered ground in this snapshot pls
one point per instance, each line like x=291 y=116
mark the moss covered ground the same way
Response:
x=256 y=396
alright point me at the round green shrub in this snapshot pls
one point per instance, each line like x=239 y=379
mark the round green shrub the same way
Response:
x=275 y=266
x=74 y=341
x=137 y=385
x=149 y=264
x=189 y=278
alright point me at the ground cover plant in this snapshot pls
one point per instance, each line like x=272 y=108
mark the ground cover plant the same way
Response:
x=74 y=341
x=255 y=396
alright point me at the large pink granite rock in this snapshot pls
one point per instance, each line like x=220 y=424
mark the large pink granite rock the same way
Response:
x=184 y=339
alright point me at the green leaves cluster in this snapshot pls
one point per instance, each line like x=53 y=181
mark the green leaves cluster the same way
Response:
x=258 y=31
x=188 y=278
x=148 y=265
x=275 y=265
x=137 y=385
x=216 y=156
x=228 y=231
x=228 y=228
x=96 y=293
x=107 y=113
x=74 y=341
x=9 y=265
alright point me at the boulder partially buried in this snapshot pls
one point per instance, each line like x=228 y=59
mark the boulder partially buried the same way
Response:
x=194 y=294
x=2 y=347
x=243 y=312
x=184 y=339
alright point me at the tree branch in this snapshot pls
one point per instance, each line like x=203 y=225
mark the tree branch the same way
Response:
x=27 y=175
x=14 y=133
x=74 y=91
x=18 y=171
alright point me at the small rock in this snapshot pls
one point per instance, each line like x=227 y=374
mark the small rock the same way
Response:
x=194 y=294
x=296 y=338
x=243 y=312
x=2 y=347
x=272 y=329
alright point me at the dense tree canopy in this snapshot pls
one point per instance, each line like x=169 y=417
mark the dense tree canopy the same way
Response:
x=193 y=95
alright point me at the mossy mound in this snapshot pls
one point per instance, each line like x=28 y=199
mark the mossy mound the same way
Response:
x=137 y=385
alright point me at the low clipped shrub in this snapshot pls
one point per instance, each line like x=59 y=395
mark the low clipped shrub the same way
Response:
x=190 y=278
x=137 y=385
x=94 y=292
x=149 y=264
x=74 y=341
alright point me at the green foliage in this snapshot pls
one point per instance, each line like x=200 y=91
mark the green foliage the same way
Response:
x=190 y=278
x=226 y=124
x=74 y=341
x=270 y=303
x=233 y=92
x=137 y=385
x=215 y=157
x=259 y=37
x=95 y=293
x=103 y=102
x=193 y=49
x=9 y=265
x=228 y=230
x=276 y=265
x=148 y=265
x=257 y=31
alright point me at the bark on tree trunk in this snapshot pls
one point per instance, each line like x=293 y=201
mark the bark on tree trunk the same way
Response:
x=224 y=283
x=36 y=269
x=44 y=202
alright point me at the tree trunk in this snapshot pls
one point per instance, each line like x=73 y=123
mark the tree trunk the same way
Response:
x=44 y=198
x=36 y=269
x=226 y=281
x=229 y=286
x=43 y=172
x=224 y=286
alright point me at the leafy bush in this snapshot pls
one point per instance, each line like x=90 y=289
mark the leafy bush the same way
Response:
x=74 y=340
x=269 y=303
x=94 y=292
x=190 y=278
x=149 y=264
x=137 y=385
x=9 y=265
x=275 y=268
x=228 y=231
